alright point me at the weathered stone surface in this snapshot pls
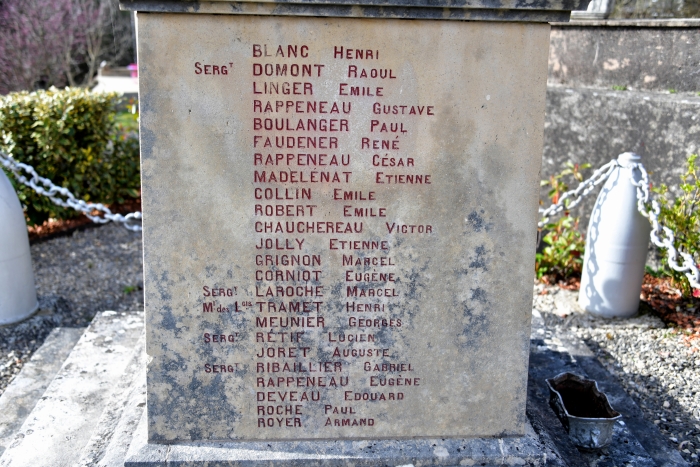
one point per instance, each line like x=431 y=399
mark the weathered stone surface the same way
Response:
x=634 y=23
x=63 y=420
x=642 y=55
x=656 y=9
x=112 y=435
x=22 y=394
x=115 y=453
x=587 y=121
x=596 y=125
x=489 y=452
x=636 y=441
x=465 y=106
x=475 y=10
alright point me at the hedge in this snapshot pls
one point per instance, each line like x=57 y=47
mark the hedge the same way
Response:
x=70 y=137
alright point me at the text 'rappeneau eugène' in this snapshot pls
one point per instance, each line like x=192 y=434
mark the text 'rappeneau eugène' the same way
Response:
x=305 y=194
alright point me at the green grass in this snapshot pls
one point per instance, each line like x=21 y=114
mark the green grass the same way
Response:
x=619 y=88
x=127 y=121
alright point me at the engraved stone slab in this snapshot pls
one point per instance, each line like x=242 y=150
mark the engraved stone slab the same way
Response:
x=339 y=225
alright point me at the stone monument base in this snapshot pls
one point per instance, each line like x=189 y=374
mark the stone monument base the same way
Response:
x=87 y=416
x=525 y=450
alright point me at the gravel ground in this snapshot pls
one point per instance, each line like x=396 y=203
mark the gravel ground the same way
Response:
x=100 y=268
x=96 y=269
x=657 y=366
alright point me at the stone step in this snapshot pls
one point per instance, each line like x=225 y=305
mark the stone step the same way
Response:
x=110 y=440
x=20 y=397
x=64 y=419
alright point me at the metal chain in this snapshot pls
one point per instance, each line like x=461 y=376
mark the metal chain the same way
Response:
x=666 y=239
x=62 y=197
x=584 y=188
x=660 y=240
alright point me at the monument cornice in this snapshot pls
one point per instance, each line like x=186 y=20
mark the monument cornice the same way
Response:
x=456 y=10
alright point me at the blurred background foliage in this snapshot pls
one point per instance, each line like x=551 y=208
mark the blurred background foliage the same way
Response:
x=561 y=257
x=72 y=137
x=46 y=43
x=681 y=214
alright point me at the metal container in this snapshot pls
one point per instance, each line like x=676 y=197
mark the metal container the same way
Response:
x=583 y=410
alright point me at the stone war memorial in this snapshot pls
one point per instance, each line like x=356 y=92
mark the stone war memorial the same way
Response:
x=340 y=205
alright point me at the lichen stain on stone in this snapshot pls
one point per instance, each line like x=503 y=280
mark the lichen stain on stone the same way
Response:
x=476 y=327
x=169 y=321
x=386 y=337
x=174 y=362
x=195 y=433
x=163 y=286
x=479 y=295
x=222 y=418
x=415 y=281
x=337 y=290
x=147 y=138
x=477 y=222
x=479 y=261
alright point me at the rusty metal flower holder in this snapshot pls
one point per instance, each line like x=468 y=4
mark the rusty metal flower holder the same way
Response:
x=583 y=410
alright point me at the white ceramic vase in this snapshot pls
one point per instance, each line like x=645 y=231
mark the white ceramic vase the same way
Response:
x=616 y=246
x=17 y=292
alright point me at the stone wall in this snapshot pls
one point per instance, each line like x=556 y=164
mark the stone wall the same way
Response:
x=656 y=9
x=588 y=121
x=641 y=55
x=589 y=125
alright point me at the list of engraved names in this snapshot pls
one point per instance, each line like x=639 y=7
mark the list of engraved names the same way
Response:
x=322 y=308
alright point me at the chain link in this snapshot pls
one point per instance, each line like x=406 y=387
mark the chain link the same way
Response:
x=62 y=197
x=584 y=188
x=662 y=240
x=667 y=239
